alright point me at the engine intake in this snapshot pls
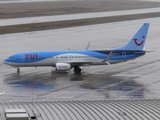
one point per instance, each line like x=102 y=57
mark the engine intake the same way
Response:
x=63 y=66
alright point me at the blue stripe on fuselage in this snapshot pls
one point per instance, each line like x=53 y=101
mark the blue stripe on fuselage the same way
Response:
x=29 y=57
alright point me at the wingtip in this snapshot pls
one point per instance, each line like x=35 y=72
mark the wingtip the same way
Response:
x=87 y=47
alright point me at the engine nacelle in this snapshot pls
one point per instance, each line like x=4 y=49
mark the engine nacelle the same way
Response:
x=63 y=66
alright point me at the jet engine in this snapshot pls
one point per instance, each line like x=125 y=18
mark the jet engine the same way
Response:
x=63 y=66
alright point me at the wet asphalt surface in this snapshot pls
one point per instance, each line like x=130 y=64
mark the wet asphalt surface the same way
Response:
x=129 y=80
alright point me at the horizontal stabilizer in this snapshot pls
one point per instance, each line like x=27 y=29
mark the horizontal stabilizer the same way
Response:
x=141 y=52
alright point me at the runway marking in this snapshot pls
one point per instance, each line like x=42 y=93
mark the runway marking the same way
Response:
x=56 y=18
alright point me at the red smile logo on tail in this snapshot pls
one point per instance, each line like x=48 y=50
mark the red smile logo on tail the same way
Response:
x=138 y=44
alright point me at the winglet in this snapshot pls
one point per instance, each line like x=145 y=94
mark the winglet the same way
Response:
x=87 y=46
x=106 y=60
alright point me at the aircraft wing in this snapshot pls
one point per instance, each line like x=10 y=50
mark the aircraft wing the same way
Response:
x=80 y=63
x=105 y=61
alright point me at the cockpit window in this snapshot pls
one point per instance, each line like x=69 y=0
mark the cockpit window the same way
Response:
x=12 y=57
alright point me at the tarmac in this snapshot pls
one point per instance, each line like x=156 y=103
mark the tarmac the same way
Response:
x=80 y=16
x=134 y=79
x=125 y=91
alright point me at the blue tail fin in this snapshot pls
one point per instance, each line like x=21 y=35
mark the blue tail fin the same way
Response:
x=138 y=40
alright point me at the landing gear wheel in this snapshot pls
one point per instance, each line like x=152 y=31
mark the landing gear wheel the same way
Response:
x=18 y=70
x=77 y=70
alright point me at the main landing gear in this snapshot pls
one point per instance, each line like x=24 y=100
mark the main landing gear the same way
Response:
x=18 y=70
x=77 y=70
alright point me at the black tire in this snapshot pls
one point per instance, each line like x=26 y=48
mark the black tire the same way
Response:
x=18 y=70
x=77 y=70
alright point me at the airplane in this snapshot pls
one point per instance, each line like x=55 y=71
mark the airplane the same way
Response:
x=68 y=59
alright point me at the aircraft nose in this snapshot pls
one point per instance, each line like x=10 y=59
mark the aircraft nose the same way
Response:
x=5 y=61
